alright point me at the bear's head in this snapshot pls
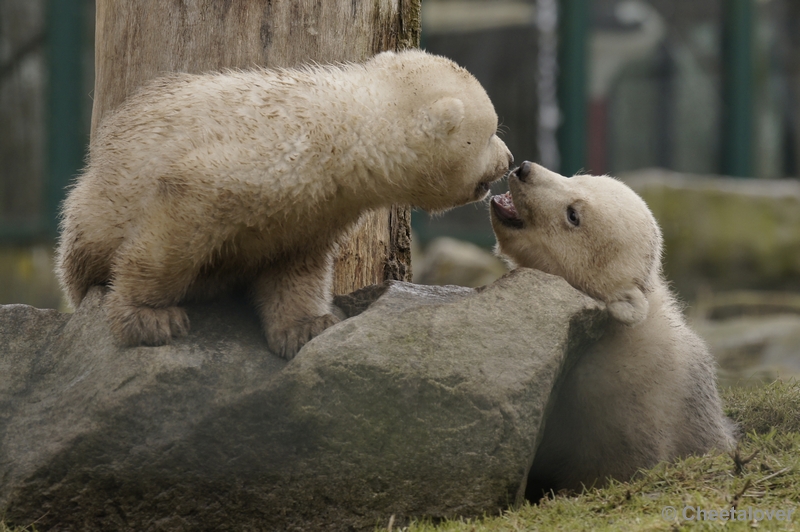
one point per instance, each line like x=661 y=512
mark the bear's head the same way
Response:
x=451 y=129
x=593 y=231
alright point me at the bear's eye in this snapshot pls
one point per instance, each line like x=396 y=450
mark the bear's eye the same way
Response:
x=572 y=217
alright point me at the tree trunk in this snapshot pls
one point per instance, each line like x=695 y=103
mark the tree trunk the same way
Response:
x=137 y=41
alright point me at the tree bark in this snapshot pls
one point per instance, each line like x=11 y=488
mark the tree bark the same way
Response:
x=137 y=41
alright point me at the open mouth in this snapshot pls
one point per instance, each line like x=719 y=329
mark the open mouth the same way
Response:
x=505 y=211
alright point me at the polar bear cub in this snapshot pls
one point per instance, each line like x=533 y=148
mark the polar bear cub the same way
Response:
x=199 y=183
x=646 y=392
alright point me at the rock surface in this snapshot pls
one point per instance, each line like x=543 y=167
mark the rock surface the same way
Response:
x=428 y=402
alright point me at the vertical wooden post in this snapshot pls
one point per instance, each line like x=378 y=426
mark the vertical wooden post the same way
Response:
x=137 y=41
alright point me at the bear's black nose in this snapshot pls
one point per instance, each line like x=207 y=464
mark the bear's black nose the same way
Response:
x=524 y=170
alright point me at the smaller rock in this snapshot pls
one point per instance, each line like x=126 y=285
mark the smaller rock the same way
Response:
x=447 y=261
x=755 y=336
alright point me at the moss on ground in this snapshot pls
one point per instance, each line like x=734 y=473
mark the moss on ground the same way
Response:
x=762 y=475
x=762 y=409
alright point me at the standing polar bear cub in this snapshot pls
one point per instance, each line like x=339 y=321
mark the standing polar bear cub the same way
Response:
x=646 y=392
x=199 y=183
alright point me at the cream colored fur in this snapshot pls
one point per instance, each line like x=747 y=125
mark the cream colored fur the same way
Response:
x=646 y=392
x=199 y=183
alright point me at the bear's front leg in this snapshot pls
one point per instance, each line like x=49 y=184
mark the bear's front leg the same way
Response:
x=294 y=301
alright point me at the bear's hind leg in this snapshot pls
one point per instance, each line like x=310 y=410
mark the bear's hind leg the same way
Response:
x=135 y=325
x=146 y=286
x=294 y=302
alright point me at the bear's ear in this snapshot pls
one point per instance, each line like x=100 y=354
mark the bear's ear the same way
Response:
x=629 y=306
x=443 y=116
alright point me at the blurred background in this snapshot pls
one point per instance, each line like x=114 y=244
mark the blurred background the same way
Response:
x=692 y=103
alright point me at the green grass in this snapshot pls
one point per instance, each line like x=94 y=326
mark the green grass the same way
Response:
x=761 y=409
x=763 y=473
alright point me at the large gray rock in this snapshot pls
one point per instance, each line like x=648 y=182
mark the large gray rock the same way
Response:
x=427 y=403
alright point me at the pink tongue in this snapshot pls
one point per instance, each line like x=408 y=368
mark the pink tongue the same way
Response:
x=506 y=204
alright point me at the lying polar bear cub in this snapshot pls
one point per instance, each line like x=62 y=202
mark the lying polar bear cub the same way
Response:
x=199 y=183
x=646 y=392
